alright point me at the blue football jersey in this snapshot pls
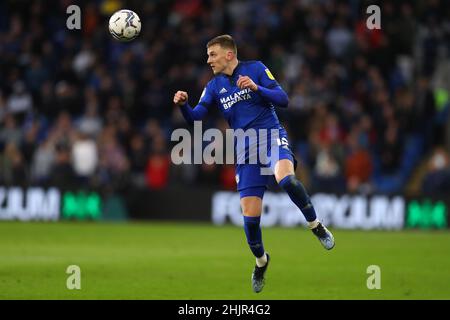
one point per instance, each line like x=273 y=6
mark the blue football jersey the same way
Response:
x=242 y=108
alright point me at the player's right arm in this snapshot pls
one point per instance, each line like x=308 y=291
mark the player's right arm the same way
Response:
x=200 y=110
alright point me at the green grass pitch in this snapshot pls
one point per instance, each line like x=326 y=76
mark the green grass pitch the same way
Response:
x=161 y=260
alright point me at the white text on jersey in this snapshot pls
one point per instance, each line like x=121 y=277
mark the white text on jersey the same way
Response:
x=227 y=102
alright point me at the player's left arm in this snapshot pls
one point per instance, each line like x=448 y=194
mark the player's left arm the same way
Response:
x=268 y=88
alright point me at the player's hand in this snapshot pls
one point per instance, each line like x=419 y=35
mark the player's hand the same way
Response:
x=245 y=82
x=180 y=98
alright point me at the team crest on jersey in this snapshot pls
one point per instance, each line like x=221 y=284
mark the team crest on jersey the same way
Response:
x=269 y=74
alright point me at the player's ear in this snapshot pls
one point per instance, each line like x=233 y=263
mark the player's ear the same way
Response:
x=230 y=55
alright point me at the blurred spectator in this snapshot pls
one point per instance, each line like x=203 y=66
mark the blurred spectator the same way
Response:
x=138 y=155
x=228 y=177
x=20 y=101
x=47 y=104
x=10 y=132
x=391 y=149
x=113 y=159
x=43 y=160
x=12 y=167
x=358 y=165
x=66 y=97
x=327 y=171
x=62 y=173
x=437 y=179
x=90 y=122
x=29 y=140
x=157 y=170
x=83 y=60
x=339 y=39
x=84 y=156
x=331 y=132
x=36 y=74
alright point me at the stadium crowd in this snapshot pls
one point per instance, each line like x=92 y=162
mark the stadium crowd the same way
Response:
x=367 y=107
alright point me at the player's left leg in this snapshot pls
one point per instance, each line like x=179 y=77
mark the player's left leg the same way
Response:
x=285 y=176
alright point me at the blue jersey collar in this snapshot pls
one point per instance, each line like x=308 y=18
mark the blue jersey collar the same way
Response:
x=236 y=69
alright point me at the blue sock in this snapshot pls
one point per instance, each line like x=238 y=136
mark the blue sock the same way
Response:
x=299 y=196
x=254 y=237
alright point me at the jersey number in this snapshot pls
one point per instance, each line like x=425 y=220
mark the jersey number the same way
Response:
x=282 y=142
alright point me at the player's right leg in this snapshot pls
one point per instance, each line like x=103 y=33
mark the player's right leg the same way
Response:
x=251 y=186
x=251 y=204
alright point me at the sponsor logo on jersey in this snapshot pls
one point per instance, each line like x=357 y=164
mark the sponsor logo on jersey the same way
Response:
x=223 y=90
x=227 y=102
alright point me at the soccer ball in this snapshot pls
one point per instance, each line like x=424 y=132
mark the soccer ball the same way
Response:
x=124 y=25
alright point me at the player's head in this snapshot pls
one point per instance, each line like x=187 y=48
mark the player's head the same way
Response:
x=222 y=52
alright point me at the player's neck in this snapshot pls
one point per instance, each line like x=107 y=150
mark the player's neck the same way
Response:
x=230 y=68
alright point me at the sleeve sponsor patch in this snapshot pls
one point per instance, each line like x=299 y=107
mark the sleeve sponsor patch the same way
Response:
x=269 y=74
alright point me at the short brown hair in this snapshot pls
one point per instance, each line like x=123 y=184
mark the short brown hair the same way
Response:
x=225 y=41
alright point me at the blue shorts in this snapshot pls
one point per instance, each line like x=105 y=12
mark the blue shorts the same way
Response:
x=252 y=178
